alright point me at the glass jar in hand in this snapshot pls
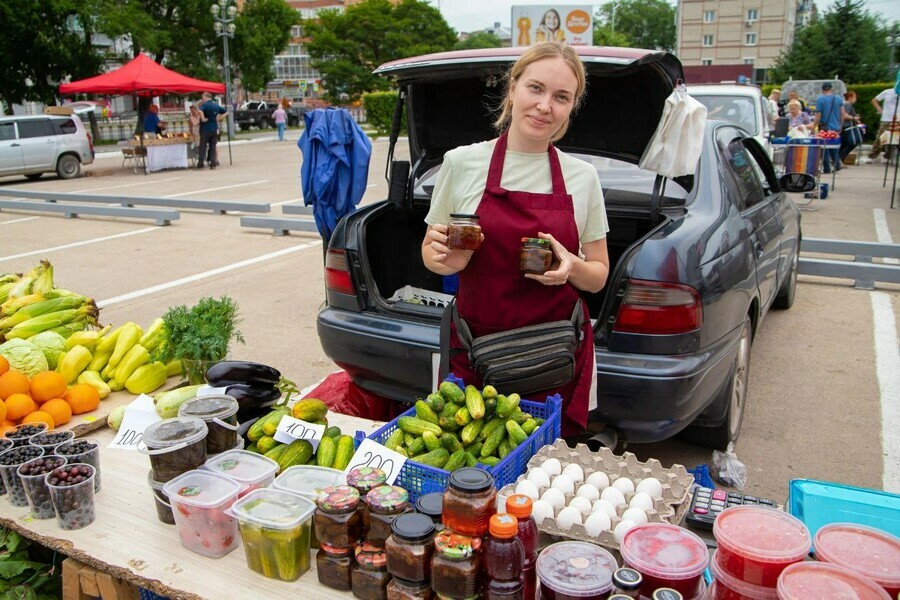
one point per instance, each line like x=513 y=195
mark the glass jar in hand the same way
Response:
x=410 y=547
x=470 y=501
x=365 y=479
x=337 y=520
x=454 y=567
x=463 y=232
x=535 y=256
x=334 y=567
x=370 y=576
x=386 y=503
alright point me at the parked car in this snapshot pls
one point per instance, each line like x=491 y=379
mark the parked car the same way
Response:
x=695 y=262
x=743 y=105
x=37 y=144
x=259 y=114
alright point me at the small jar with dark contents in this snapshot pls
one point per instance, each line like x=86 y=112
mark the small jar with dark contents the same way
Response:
x=365 y=479
x=370 y=577
x=410 y=547
x=455 y=565
x=398 y=589
x=337 y=520
x=432 y=506
x=334 y=567
x=386 y=503
x=627 y=582
x=470 y=501
x=535 y=256
x=463 y=232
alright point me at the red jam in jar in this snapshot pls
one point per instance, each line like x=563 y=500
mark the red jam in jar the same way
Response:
x=463 y=232
x=666 y=556
x=470 y=501
x=575 y=571
x=727 y=587
x=872 y=552
x=535 y=256
x=806 y=580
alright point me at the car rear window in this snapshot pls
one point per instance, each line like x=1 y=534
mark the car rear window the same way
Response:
x=33 y=128
x=740 y=110
x=64 y=127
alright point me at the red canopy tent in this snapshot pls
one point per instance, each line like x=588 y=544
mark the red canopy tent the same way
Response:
x=144 y=77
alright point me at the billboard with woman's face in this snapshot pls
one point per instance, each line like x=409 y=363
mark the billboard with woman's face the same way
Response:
x=552 y=22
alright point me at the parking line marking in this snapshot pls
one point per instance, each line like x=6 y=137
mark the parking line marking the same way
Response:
x=22 y=220
x=206 y=274
x=84 y=243
x=112 y=187
x=286 y=202
x=215 y=189
x=884 y=233
x=887 y=363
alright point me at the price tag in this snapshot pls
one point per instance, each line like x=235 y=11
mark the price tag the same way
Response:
x=139 y=415
x=290 y=429
x=208 y=390
x=372 y=454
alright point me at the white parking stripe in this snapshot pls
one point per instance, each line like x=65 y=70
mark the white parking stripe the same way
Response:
x=887 y=361
x=84 y=243
x=883 y=232
x=274 y=204
x=112 y=187
x=19 y=220
x=192 y=278
x=224 y=187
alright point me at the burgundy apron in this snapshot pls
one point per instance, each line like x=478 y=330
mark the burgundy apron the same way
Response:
x=495 y=296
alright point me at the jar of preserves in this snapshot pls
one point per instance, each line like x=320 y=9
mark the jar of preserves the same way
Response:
x=334 y=566
x=337 y=520
x=410 y=547
x=432 y=506
x=370 y=577
x=365 y=479
x=470 y=501
x=535 y=256
x=399 y=589
x=386 y=503
x=454 y=567
x=463 y=232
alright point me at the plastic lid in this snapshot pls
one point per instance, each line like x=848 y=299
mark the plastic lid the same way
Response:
x=519 y=506
x=454 y=545
x=366 y=478
x=667 y=594
x=627 y=579
x=804 y=580
x=762 y=534
x=308 y=480
x=463 y=216
x=431 y=504
x=576 y=569
x=203 y=489
x=156 y=485
x=870 y=551
x=170 y=432
x=471 y=479
x=538 y=241
x=386 y=498
x=744 y=590
x=246 y=467
x=213 y=406
x=339 y=498
x=273 y=509
x=370 y=556
x=413 y=527
x=503 y=526
x=665 y=551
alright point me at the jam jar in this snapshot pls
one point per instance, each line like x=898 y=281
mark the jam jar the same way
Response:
x=365 y=479
x=535 y=256
x=386 y=503
x=470 y=501
x=370 y=577
x=334 y=567
x=410 y=547
x=464 y=232
x=454 y=567
x=432 y=506
x=337 y=520
x=399 y=589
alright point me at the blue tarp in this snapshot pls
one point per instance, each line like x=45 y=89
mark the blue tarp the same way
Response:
x=335 y=166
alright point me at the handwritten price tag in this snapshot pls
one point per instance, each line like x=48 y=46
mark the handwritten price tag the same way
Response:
x=290 y=429
x=373 y=454
x=139 y=415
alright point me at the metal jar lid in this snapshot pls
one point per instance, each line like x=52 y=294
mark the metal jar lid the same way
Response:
x=413 y=527
x=431 y=505
x=627 y=579
x=471 y=479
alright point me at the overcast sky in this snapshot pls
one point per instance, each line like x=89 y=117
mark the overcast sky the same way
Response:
x=472 y=15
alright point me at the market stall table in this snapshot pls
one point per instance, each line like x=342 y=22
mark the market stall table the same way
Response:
x=166 y=153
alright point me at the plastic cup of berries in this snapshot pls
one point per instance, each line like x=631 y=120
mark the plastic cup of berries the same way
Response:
x=72 y=494
x=23 y=433
x=9 y=471
x=49 y=440
x=5 y=445
x=34 y=479
x=82 y=450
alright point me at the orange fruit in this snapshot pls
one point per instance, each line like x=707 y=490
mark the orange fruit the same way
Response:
x=59 y=409
x=18 y=406
x=13 y=382
x=47 y=385
x=40 y=416
x=4 y=428
x=82 y=397
x=4 y=365
x=2 y=411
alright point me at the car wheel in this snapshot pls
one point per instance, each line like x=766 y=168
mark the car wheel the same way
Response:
x=33 y=176
x=785 y=298
x=68 y=167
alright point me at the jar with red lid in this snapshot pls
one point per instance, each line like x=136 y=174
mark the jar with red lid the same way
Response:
x=399 y=589
x=337 y=520
x=334 y=567
x=386 y=503
x=370 y=577
x=535 y=256
x=410 y=547
x=365 y=479
x=463 y=232
x=469 y=501
x=454 y=567
x=666 y=556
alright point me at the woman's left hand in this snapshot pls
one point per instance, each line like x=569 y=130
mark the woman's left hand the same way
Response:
x=561 y=267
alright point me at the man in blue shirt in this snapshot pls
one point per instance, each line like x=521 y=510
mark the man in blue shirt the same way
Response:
x=209 y=130
x=152 y=124
x=829 y=116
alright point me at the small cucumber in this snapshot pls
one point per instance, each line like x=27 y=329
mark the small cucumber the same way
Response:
x=451 y=392
x=456 y=460
x=436 y=402
x=432 y=442
x=425 y=412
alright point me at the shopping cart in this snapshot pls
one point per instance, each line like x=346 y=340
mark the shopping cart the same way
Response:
x=805 y=155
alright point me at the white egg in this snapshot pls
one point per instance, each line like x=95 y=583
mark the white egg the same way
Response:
x=614 y=496
x=651 y=485
x=606 y=507
x=624 y=485
x=599 y=480
x=564 y=484
x=582 y=504
x=551 y=466
x=597 y=523
x=636 y=515
x=539 y=477
x=622 y=528
x=641 y=500
x=555 y=498
x=568 y=517
x=528 y=488
x=586 y=490
x=574 y=472
x=540 y=510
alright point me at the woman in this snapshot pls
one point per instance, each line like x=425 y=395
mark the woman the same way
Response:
x=194 y=119
x=521 y=186
x=548 y=30
x=800 y=120
x=850 y=135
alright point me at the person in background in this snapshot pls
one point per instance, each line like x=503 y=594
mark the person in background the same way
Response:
x=549 y=29
x=829 y=117
x=774 y=108
x=850 y=137
x=194 y=119
x=280 y=121
x=886 y=105
x=792 y=95
x=799 y=119
x=152 y=124
x=213 y=112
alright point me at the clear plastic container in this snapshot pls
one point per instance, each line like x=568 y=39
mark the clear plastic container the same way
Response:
x=432 y=506
x=199 y=500
x=73 y=502
x=308 y=480
x=869 y=551
x=728 y=587
x=756 y=544
x=10 y=460
x=252 y=469
x=219 y=412
x=5 y=445
x=21 y=435
x=175 y=446
x=82 y=450
x=575 y=570
x=667 y=556
x=275 y=528
x=33 y=476
x=49 y=440
x=469 y=501
x=824 y=581
x=163 y=507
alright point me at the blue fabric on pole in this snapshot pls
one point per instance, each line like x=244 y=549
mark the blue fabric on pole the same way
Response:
x=335 y=166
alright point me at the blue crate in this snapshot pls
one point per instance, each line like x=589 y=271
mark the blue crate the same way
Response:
x=148 y=595
x=819 y=503
x=419 y=479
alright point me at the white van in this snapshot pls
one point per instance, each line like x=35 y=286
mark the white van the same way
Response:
x=36 y=144
x=743 y=105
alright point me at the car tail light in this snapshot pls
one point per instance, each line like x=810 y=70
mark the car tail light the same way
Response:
x=337 y=273
x=654 y=307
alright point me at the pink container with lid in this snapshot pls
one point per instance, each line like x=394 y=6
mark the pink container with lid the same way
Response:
x=823 y=581
x=732 y=588
x=866 y=550
x=667 y=556
x=756 y=544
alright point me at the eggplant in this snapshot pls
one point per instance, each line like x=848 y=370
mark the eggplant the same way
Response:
x=231 y=372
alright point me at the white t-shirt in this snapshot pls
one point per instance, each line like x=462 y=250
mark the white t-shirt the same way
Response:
x=888 y=100
x=463 y=177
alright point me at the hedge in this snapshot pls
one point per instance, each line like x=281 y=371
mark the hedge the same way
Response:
x=380 y=111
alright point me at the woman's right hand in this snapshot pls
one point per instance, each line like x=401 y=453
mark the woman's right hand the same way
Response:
x=447 y=259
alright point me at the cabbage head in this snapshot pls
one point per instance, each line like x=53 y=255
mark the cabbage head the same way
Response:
x=51 y=344
x=25 y=357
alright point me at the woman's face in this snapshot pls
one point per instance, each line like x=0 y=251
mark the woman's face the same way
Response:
x=542 y=99
x=551 y=20
x=795 y=110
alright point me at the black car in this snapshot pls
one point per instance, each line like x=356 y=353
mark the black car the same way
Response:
x=695 y=262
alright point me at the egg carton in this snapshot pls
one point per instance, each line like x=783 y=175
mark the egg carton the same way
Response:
x=670 y=508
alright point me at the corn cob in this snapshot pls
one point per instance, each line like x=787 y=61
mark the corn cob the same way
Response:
x=44 y=281
x=68 y=329
x=146 y=378
x=25 y=283
x=28 y=328
x=73 y=363
x=128 y=337
x=42 y=307
x=12 y=305
x=5 y=288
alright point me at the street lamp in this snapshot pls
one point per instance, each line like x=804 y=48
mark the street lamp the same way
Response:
x=893 y=41
x=223 y=13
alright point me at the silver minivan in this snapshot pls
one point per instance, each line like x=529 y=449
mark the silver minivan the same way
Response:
x=36 y=144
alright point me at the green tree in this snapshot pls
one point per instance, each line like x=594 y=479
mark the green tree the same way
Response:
x=479 y=39
x=643 y=23
x=347 y=46
x=605 y=36
x=263 y=27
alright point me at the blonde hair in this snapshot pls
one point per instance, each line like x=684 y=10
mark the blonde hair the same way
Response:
x=534 y=54
x=794 y=103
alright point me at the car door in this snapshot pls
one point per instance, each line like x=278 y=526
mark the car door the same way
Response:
x=10 y=149
x=38 y=144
